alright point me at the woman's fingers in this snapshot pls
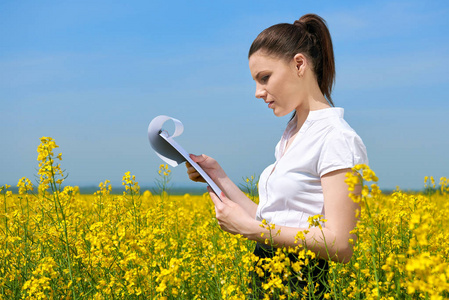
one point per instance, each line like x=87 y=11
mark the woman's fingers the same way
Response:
x=217 y=202
x=218 y=205
x=198 y=158
x=230 y=216
x=208 y=164
x=193 y=174
x=205 y=161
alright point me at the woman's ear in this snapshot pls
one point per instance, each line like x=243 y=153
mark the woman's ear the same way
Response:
x=300 y=62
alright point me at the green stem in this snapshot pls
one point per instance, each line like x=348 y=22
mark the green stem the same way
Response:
x=64 y=225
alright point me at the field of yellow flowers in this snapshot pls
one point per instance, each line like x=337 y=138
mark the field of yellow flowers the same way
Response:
x=58 y=244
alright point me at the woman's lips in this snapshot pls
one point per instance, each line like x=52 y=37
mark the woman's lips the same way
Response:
x=270 y=104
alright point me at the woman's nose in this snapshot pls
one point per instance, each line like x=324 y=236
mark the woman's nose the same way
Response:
x=260 y=93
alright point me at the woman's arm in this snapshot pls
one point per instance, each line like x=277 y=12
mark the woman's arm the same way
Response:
x=217 y=174
x=332 y=241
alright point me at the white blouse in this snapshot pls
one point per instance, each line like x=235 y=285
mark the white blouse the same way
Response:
x=290 y=189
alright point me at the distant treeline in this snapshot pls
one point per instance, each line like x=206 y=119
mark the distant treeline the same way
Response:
x=154 y=190
x=89 y=190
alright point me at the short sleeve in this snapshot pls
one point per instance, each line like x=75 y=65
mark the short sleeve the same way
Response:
x=341 y=150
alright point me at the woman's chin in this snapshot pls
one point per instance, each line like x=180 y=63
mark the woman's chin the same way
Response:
x=279 y=113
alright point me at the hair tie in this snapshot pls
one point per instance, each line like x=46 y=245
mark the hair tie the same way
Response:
x=301 y=24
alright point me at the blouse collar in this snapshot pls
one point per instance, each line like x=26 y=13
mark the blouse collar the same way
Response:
x=325 y=113
x=315 y=115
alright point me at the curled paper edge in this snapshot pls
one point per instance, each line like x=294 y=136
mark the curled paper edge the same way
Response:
x=171 y=152
x=162 y=148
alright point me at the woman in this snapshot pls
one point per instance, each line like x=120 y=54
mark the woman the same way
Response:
x=293 y=67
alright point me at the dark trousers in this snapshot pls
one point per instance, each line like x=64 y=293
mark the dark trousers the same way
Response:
x=315 y=272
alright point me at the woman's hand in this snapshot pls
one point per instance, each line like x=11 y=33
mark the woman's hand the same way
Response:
x=208 y=164
x=232 y=217
x=216 y=173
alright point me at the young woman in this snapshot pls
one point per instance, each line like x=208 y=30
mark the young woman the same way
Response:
x=293 y=67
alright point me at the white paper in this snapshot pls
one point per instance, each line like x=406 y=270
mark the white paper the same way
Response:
x=170 y=151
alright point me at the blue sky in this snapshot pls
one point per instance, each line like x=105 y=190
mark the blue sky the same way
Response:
x=92 y=75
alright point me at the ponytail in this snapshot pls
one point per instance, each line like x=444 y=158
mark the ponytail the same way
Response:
x=310 y=36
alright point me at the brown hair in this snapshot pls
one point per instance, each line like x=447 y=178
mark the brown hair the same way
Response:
x=310 y=36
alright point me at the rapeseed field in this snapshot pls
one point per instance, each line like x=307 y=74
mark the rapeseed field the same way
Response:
x=56 y=243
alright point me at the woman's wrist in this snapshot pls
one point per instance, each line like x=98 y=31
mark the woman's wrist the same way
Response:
x=223 y=182
x=254 y=230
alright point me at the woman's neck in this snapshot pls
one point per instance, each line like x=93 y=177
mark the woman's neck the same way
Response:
x=314 y=103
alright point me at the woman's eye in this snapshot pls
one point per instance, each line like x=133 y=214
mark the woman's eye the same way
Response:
x=264 y=79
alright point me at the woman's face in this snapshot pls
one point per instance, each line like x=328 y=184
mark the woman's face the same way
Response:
x=277 y=82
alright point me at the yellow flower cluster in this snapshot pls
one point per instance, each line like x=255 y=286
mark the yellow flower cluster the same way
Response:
x=60 y=244
x=24 y=185
x=316 y=221
x=402 y=250
x=49 y=172
x=39 y=285
x=130 y=183
x=163 y=169
x=444 y=185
